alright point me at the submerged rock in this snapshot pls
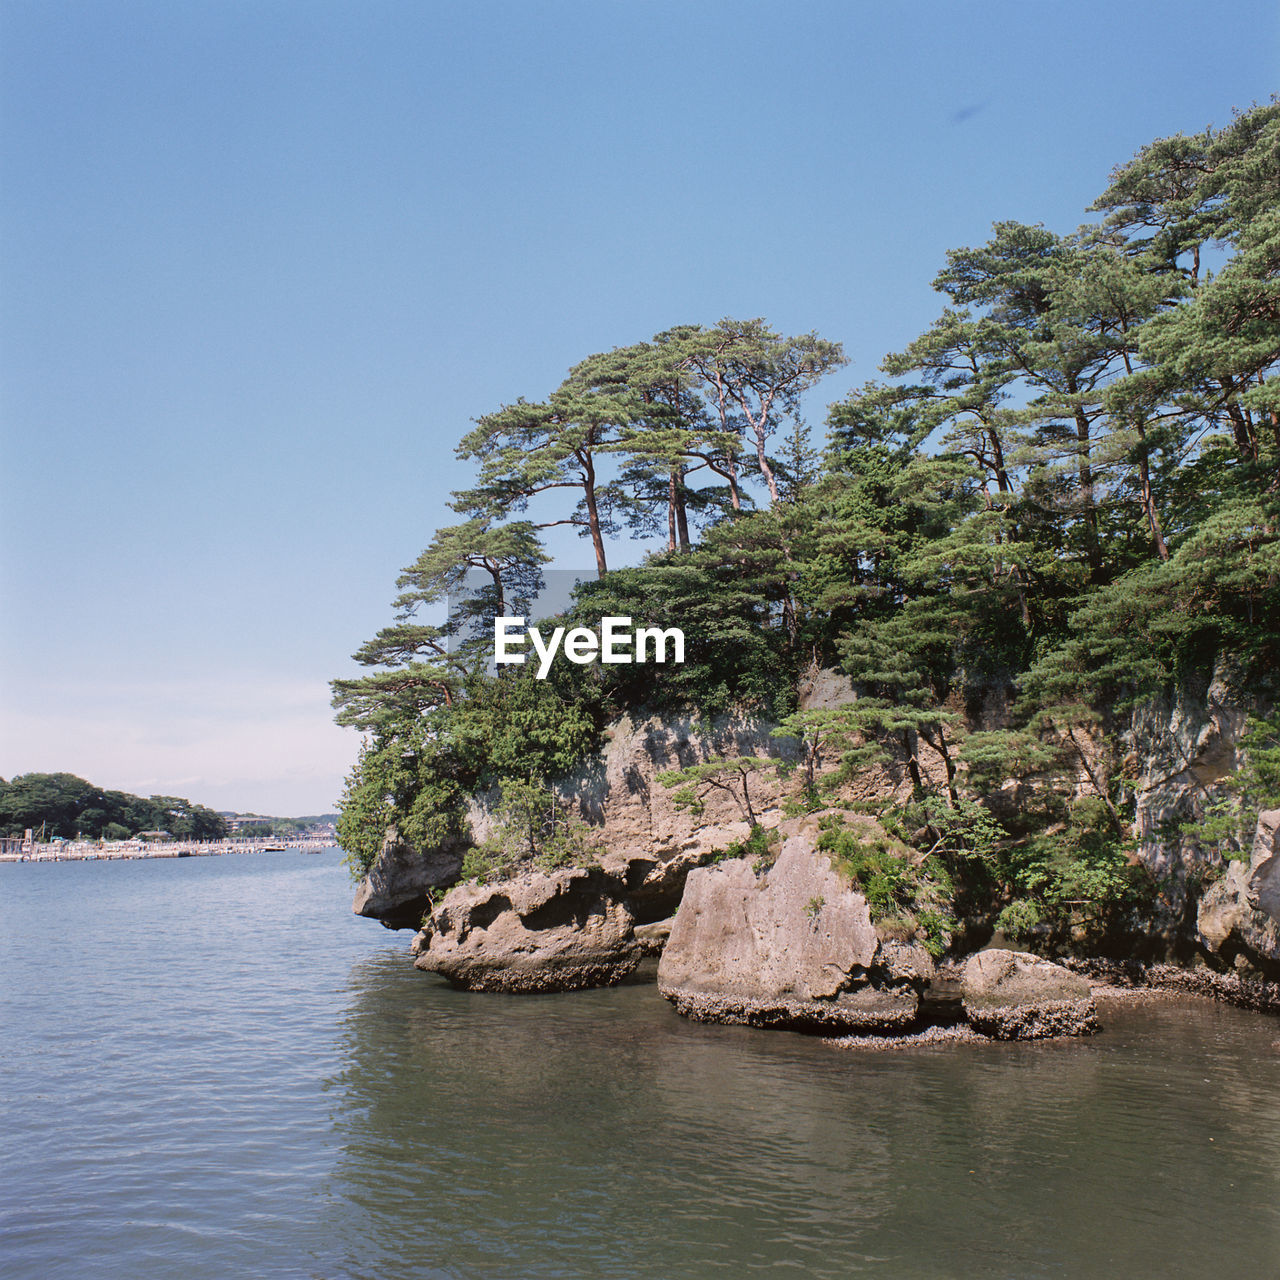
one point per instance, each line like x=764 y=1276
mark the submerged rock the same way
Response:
x=793 y=946
x=539 y=931
x=1011 y=995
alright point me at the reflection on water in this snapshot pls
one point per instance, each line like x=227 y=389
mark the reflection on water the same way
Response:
x=208 y=1068
x=600 y=1135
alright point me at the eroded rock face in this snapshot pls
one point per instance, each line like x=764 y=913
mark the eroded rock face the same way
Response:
x=793 y=946
x=1239 y=916
x=397 y=887
x=650 y=842
x=653 y=937
x=1012 y=995
x=540 y=931
x=1179 y=745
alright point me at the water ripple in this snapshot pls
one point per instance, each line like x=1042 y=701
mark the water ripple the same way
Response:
x=223 y=1073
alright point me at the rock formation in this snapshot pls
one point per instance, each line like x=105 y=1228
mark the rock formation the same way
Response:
x=828 y=969
x=652 y=844
x=1178 y=745
x=791 y=946
x=540 y=931
x=1239 y=915
x=1011 y=995
x=397 y=888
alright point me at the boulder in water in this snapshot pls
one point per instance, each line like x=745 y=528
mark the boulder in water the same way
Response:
x=1011 y=995
x=538 y=931
x=793 y=946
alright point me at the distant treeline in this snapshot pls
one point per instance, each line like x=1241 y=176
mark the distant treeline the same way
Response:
x=60 y=804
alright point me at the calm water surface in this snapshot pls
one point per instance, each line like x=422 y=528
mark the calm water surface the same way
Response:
x=209 y=1068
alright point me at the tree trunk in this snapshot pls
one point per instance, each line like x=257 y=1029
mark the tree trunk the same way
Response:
x=1092 y=550
x=953 y=800
x=593 y=514
x=682 y=512
x=997 y=456
x=765 y=469
x=1246 y=441
x=1148 y=501
x=913 y=765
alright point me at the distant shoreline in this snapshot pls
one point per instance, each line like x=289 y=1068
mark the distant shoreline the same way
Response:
x=131 y=850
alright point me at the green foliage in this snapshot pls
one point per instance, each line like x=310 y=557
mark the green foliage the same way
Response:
x=400 y=785
x=761 y=847
x=1229 y=823
x=516 y=725
x=820 y=731
x=1019 y=918
x=66 y=806
x=962 y=836
x=912 y=894
x=1081 y=872
x=734 y=661
x=730 y=775
x=533 y=827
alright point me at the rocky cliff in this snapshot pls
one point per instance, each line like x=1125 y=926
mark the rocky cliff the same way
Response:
x=1238 y=919
x=1181 y=749
x=648 y=840
x=1178 y=751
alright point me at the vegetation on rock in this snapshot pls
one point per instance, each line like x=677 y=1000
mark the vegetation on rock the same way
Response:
x=1062 y=499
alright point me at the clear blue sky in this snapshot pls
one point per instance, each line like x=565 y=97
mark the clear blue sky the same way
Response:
x=263 y=262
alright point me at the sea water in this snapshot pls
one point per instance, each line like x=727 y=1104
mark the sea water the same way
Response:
x=209 y=1068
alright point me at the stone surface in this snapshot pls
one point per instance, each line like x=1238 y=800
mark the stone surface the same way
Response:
x=1011 y=995
x=540 y=931
x=1180 y=747
x=396 y=889
x=653 y=937
x=1239 y=916
x=793 y=946
x=651 y=844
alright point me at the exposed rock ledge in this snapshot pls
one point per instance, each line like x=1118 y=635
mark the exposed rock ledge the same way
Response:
x=397 y=888
x=792 y=946
x=540 y=931
x=1239 y=916
x=1010 y=995
x=649 y=840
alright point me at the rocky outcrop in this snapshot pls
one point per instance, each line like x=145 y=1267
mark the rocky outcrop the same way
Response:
x=1179 y=747
x=397 y=888
x=1239 y=916
x=791 y=946
x=649 y=842
x=1011 y=995
x=540 y=931
x=653 y=937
